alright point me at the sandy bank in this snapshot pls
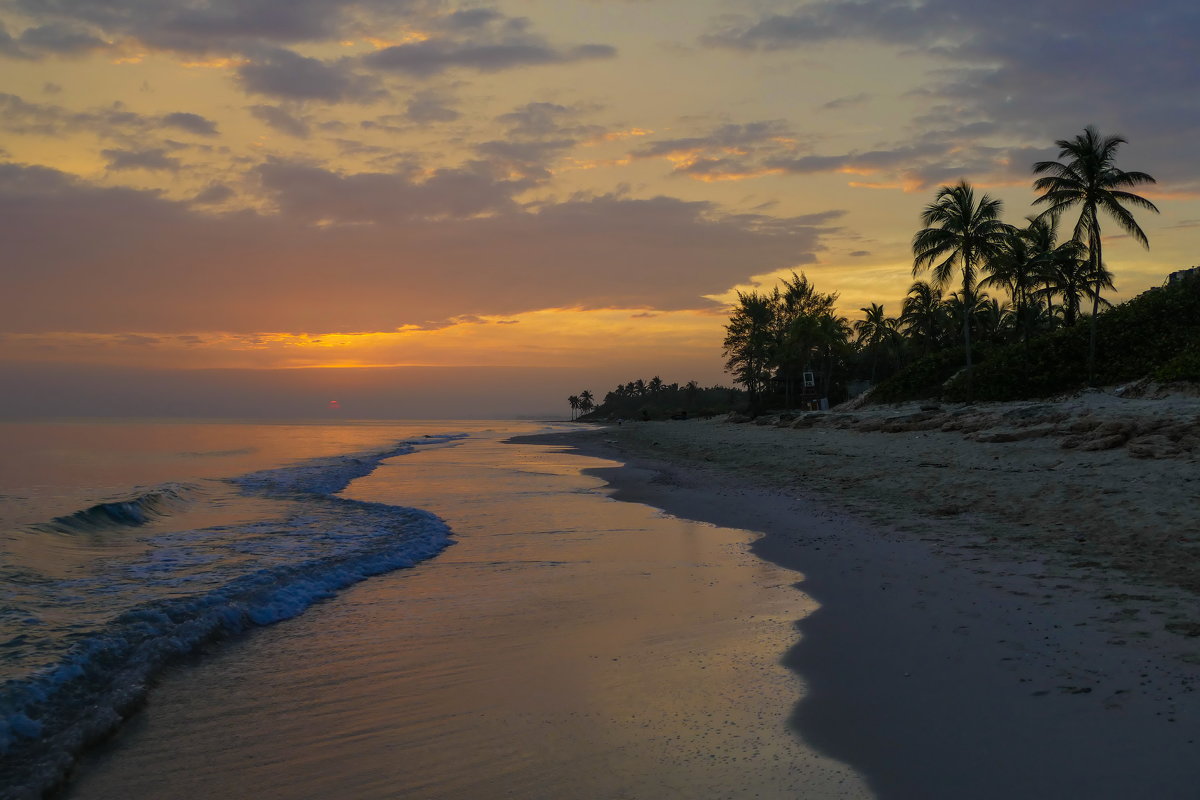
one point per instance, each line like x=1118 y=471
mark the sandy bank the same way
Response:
x=1003 y=618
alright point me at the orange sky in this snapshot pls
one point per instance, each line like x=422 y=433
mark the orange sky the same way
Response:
x=569 y=185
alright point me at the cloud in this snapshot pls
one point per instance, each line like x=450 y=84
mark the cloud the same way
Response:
x=315 y=195
x=847 y=101
x=153 y=159
x=277 y=119
x=61 y=39
x=214 y=194
x=285 y=74
x=726 y=152
x=424 y=59
x=430 y=106
x=482 y=40
x=221 y=26
x=1032 y=71
x=138 y=262
x=114 y=121
x=192 y=123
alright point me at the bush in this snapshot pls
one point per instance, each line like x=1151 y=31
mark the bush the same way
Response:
x=1155 y=334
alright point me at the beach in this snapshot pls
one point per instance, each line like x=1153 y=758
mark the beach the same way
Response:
x=1004 y=612
x=567 y=645
x=705 y=609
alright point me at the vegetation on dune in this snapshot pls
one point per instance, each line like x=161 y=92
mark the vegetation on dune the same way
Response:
x=1011 y=325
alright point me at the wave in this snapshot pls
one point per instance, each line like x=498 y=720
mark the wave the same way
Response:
x=48 y=718
x=331 y=474
x=133 y=511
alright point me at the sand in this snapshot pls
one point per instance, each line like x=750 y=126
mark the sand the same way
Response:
x=568 y=646
x=1004 y=618
x=898 y=615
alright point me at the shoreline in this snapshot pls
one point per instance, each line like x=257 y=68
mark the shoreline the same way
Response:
x=948 y=658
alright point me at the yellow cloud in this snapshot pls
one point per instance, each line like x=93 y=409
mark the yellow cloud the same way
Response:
x=550 y=337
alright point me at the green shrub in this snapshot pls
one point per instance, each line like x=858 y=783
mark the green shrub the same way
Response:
x=1155 y=334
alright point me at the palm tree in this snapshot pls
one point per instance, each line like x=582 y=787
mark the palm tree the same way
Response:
x=1089 y=179
x=874 y=331
x=1017 y=268
x=921 y=315
x=960 y=233
x=748 y=345
x=1068 y=274
x=793 y=309
x=586 y=401
x=574 y=401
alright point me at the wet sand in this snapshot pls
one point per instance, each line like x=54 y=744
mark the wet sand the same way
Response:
x=593 y=648
x=952 y=656
x=569 y=646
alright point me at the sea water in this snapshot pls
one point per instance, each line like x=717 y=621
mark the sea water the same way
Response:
x=125 y=546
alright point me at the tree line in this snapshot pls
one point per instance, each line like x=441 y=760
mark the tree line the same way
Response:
x=1010 y=283
x=656 y=399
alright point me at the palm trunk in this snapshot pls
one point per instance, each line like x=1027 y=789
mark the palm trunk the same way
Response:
x=1096 y=268
x=967 y=306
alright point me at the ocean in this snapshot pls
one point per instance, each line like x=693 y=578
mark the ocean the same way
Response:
x=124 y=546
x=278 y=610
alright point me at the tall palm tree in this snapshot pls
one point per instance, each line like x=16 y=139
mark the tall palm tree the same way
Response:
x=961 y=233
x=574 y=401
x=586 y=401
x=1086 y=177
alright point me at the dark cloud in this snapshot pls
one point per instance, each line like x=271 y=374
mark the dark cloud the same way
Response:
x=1035 y=70
x=846 y=102
x=138 y=262
x=218 y=26
x=154 y=159
x=423 y=59
x=530 y=159
x=214 y=194
x=192 y=123
x=482 y=40
x=278 y=119
x=430 y=106
x=725 y=137
x=731 y=150
x=312 y=194
x=60 y=39
x=9 y=46
x=284 y=74
x=112 y=122
x=757 y=148
x=267 y=32
x=51 y=88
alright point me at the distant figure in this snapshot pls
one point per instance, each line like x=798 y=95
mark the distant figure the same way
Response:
x=645 y=415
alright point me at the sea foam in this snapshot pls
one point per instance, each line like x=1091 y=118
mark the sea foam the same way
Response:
x=281 y=568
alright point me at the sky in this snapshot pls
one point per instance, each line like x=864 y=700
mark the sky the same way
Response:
x=418 y=208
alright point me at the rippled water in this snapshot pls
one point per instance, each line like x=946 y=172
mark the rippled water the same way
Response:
x=123 y=546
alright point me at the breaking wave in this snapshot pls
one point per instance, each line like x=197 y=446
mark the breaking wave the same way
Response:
x=278 y=568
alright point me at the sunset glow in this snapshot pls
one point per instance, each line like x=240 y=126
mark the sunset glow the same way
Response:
x=538 y=184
